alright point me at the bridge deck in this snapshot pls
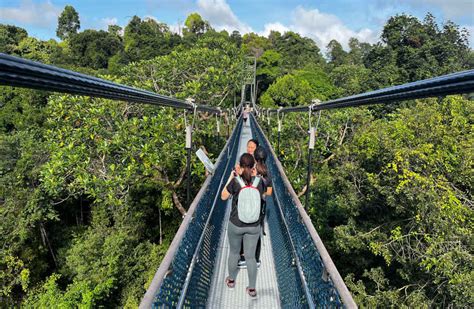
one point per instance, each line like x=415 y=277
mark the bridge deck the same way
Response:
x=267 y=288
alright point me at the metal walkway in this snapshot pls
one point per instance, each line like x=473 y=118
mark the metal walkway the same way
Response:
x=296 y=270
x=267 y=288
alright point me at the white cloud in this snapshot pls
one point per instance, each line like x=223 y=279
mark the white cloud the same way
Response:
x=42 y=15
x=106 y=21
x=221 y=16
x=312 y=23
x=451 y=8
x=323 y=28
x=275 y=27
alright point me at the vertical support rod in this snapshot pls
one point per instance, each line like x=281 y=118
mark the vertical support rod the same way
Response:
x=278 y=139
x=189 y=132
x=312 y=136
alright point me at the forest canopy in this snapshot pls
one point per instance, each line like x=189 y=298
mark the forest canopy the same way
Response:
x=91 y=190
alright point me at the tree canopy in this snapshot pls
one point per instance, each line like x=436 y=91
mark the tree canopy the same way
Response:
x=91 y=190
x=68 y=23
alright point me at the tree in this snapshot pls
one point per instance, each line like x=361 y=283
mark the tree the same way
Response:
x=287 y=91
x=351 y=79
x=68 y=23
x=420 y=50
x=195 y=25
x=10 y=37
x=145 y=39
x=208 y=72
x=254 y=45
x=297 y=51
x=268 y=68
x=358 y=51
x=236 y=38
x=115 y=29
x=93 y=49
x=336 y=55
x=299 y=88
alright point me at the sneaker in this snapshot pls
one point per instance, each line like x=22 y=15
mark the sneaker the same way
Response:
x=242 y=263
x=258 y=264
x=252 y=293
x=230 y=283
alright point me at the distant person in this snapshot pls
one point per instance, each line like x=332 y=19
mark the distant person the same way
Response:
x=244 y=223
x=246 y=114
x=252 y=144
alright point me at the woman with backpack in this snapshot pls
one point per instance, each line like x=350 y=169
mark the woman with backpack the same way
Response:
x=260 y=156
x=244 y=223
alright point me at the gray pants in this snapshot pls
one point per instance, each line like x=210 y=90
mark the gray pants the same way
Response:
x=250 y=235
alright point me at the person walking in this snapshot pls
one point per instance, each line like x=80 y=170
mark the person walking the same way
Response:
x=247 y=189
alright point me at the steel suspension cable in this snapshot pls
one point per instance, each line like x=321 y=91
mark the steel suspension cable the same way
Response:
x=19 y=72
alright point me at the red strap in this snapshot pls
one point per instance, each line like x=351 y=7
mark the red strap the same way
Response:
x=252 y=187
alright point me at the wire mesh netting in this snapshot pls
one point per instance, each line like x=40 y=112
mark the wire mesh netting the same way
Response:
x=292 y=245
x=203 y=232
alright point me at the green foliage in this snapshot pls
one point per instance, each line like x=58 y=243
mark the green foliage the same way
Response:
x=10 y=37
x=269 y=67
x=288 y=91
x=255 y=45
x=195 y=25
x=297 y=51
x=419 y=50
x=90 y=189
x=93 y=49
x=336 y=55
x=68 y=23
x=351 y=79
x=208 y=72
x=393 y=200
x=146 y=39
x=299 y=88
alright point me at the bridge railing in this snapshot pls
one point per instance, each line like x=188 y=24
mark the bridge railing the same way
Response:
x=184 y=276
x=320 y=282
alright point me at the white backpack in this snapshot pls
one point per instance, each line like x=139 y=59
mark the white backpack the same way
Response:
x=248 y=207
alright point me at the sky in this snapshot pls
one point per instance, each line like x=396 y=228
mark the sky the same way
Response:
x=321 y=20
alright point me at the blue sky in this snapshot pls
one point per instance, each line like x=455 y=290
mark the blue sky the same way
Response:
x=321 y=20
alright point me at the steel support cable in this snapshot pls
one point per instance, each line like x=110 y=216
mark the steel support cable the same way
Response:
x=455 y=83
x=18 y=72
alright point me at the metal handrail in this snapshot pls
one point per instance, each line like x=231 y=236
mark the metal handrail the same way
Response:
x=19 y=72
x=336 y=278
x=160 y=274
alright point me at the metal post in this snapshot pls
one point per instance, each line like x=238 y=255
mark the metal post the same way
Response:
x=310 y=156
x=189 y=132
x=218 y=127
x=278 y=140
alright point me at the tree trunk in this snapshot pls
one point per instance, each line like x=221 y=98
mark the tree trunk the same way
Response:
x=46 y=242
x=178 y=204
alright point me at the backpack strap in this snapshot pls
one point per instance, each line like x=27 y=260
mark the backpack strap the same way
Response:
x=240 y=181
x=256 y=181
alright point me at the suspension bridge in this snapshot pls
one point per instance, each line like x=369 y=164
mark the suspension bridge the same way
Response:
x=296 y=271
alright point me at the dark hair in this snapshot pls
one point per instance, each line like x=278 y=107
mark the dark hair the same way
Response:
x=247 y=162
x=261 y=156
x=253 y=141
